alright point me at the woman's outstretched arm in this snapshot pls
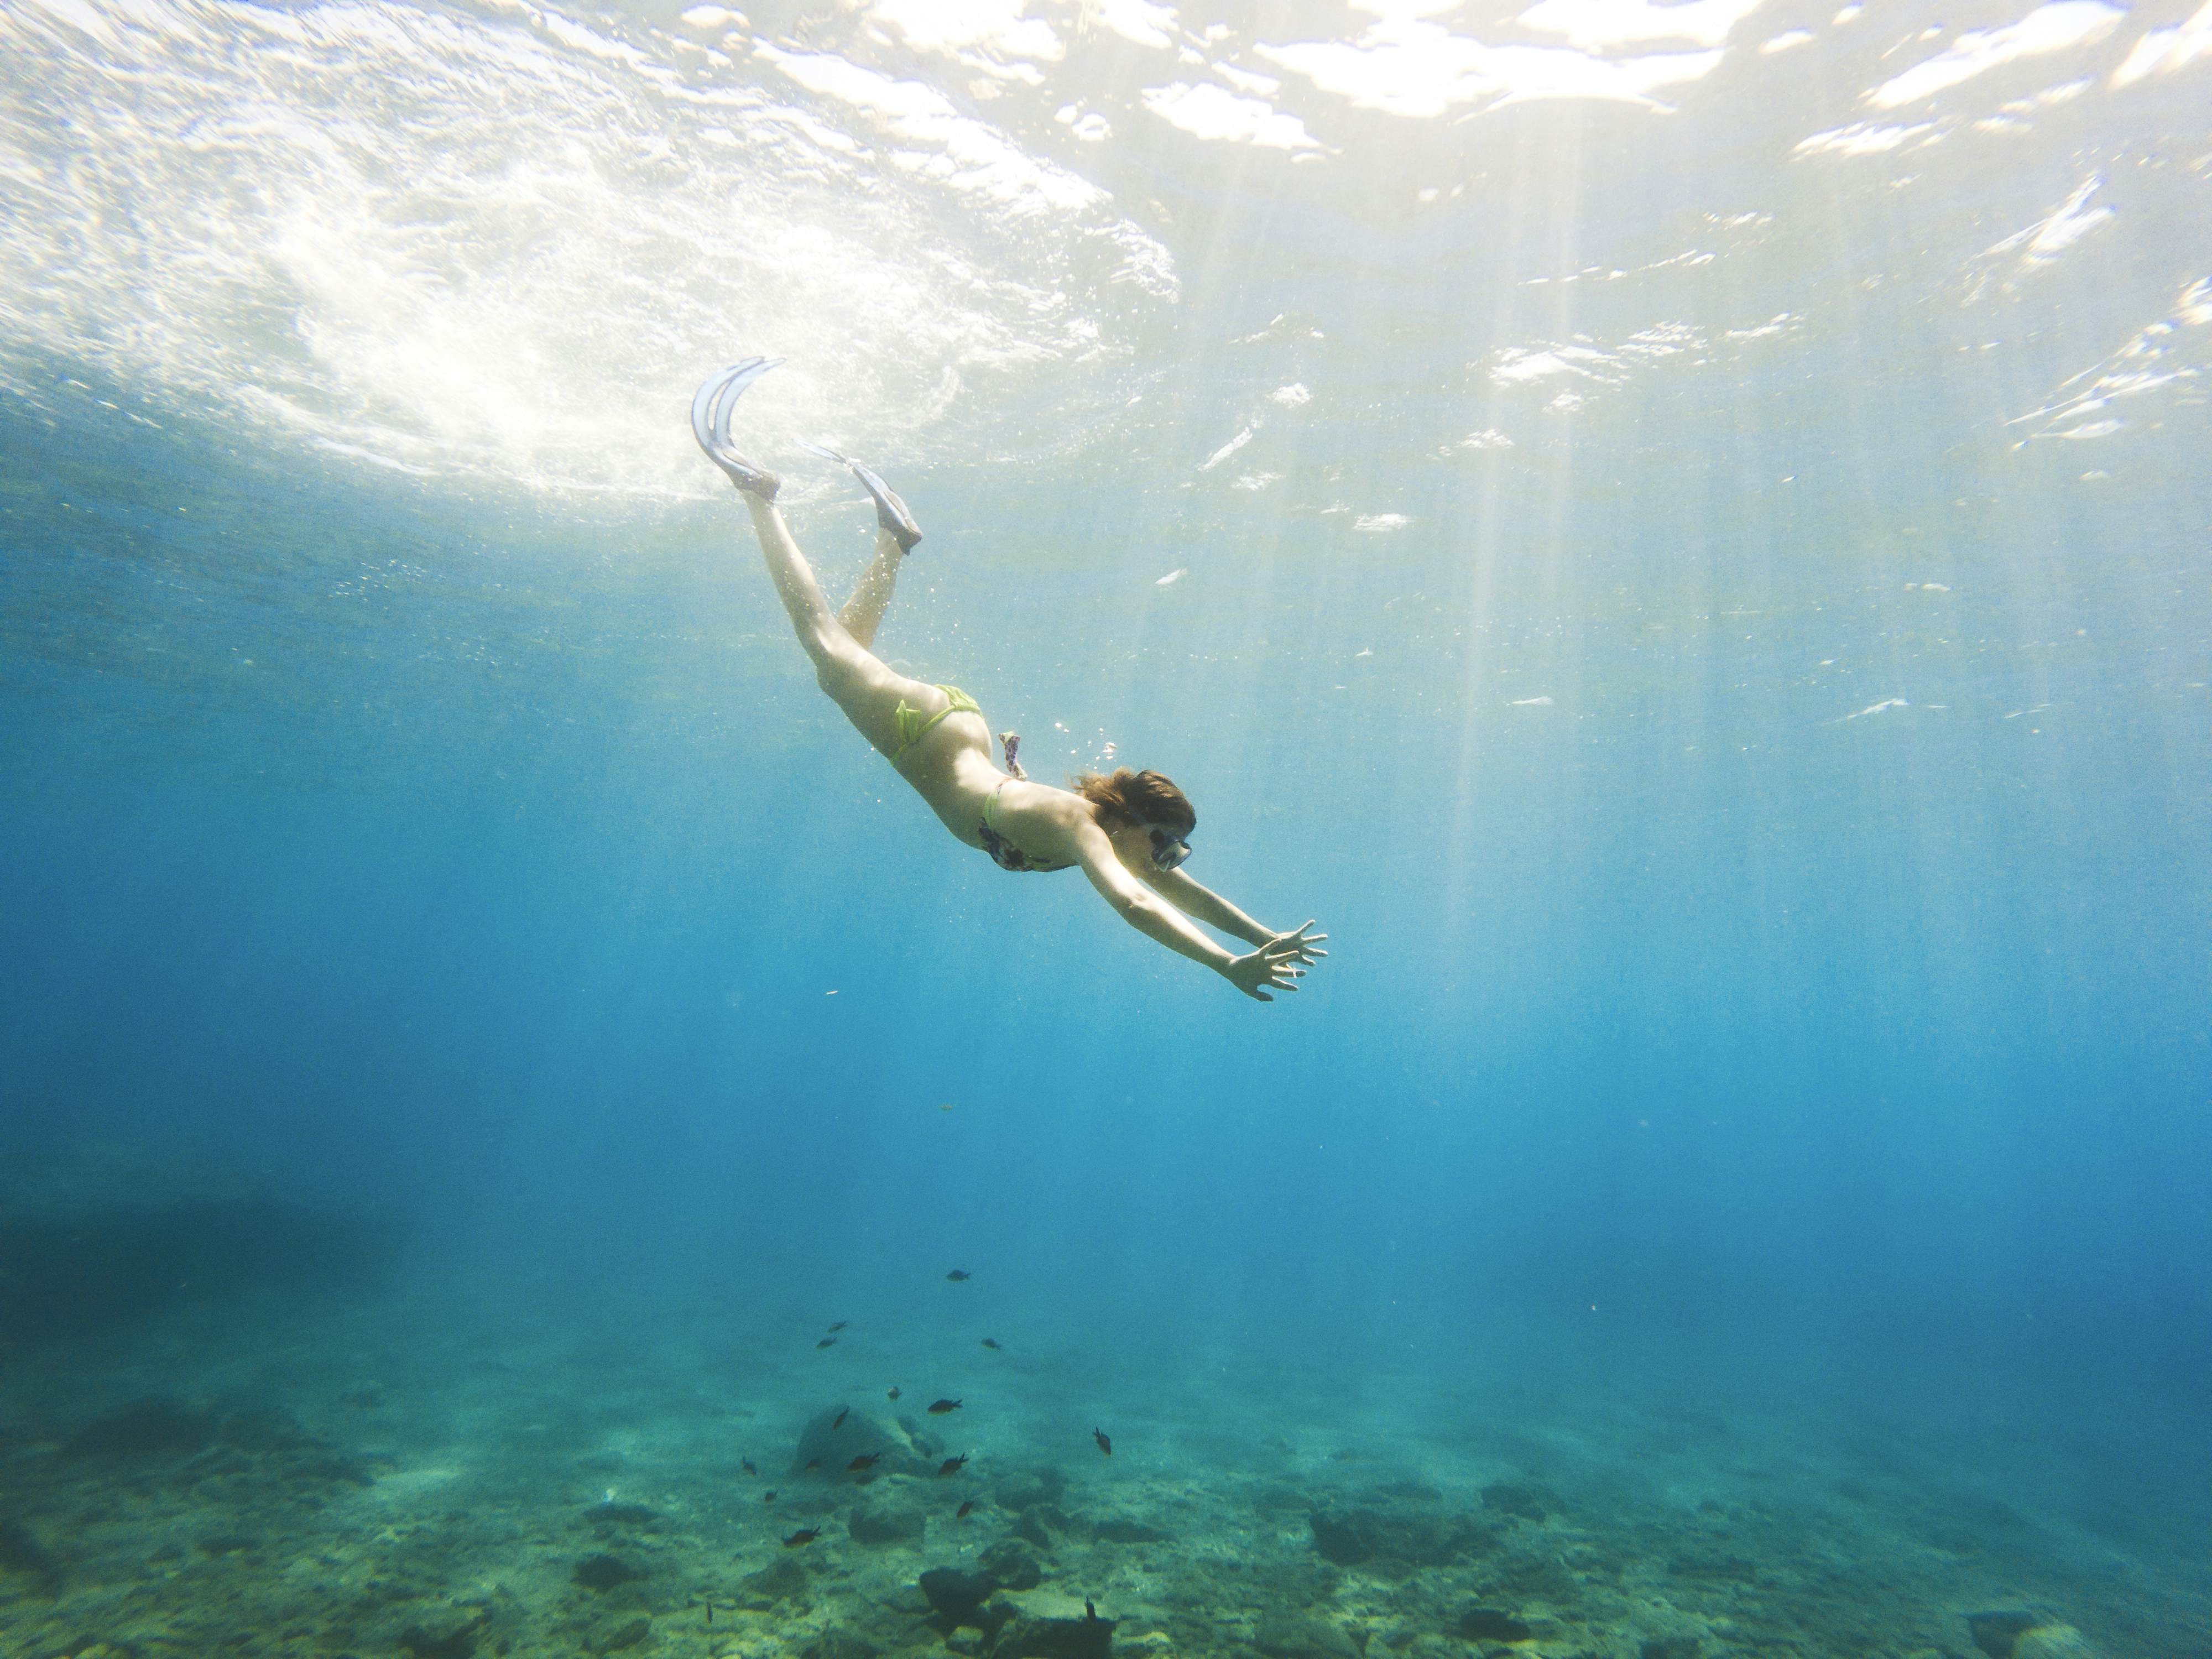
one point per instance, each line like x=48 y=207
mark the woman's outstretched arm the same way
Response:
x=1203 y=904
x=1272 y=967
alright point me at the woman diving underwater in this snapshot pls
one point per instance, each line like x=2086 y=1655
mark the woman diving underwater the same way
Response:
x=1129 y=833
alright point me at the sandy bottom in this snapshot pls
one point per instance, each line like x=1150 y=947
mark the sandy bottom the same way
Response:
x=411 y=1478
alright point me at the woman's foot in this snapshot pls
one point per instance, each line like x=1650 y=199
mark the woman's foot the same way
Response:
x=711 y=406
x=890 y=511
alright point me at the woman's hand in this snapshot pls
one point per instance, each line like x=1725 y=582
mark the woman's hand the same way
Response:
x=1272 y=967
x=1301 y=942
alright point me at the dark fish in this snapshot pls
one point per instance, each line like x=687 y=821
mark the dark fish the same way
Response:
x=953 y=1465
x=865 y=1460
x=768 y=1497
x=1104 y=1444
x=964 y=1511
x=838 y=1421
x=893 y=1395
x=827 y=1342
x=938 y=1407
x=959 y=1273
x=991 y=1342
x=836 y=1327
x=746 y=1464
x=813 y=1462
x=804 y=1535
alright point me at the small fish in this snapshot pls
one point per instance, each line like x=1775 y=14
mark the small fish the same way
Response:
x=836 y=1327
x=991 y=1343
x=938 y=1407
x=827 y=1342
x=964 y=1511
x=892 y=1395
x=959 y=1273
x=804 y=1535
x=865 y=1460
x=1104 y=1444
x=746 y=1464
x=953 y=1465
x=813 y=1462
x=838 y=1421
x=768 y=1497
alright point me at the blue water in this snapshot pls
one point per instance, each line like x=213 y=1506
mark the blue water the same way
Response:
x=1751 y=761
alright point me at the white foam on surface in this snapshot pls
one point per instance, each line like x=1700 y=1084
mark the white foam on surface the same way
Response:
x=2169 y=51
x=2169 y=355
x=1600 y=25
x=2059 y=26
x=510 y=245
x=1865 y=138
x=2004 y=264
x=1137 y=21
x=1405 y=66
x=1226 y=450
x=1206 y=111
x=996 y=24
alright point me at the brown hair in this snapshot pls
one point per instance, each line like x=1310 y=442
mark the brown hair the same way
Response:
x=1138 y=798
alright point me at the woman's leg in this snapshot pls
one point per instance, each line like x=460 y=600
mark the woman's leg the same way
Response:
x=864 y=687
x=872 y=595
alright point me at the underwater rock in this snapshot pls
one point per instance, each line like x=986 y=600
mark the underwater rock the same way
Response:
x=1055 y=1638
x=1669 y=1647
x=1351 y=1537
x=289 y=1450
x=1492 y=1625
x=2053 y=1642
x=1713 y=1567
x=1997 y=1633
x=835 y=1437
x=1019 y=1492
x=1539 y=1577
x=1418 y=1492
x=2014 y=1635
x=1523 y=1503
x=149 y=1428
x=628 y=1634
x=21 y=1552
x=1339 y=1540
x=886 y=1524
x=602 y=1573
x=1288 y=1635
x=455 y=1645
x=1119 y=1530
x=98 y=1237
x=783 y=1580
x=1014 y=1567
x=611 y=1514
x=958 y=1595
x=836 y=1643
